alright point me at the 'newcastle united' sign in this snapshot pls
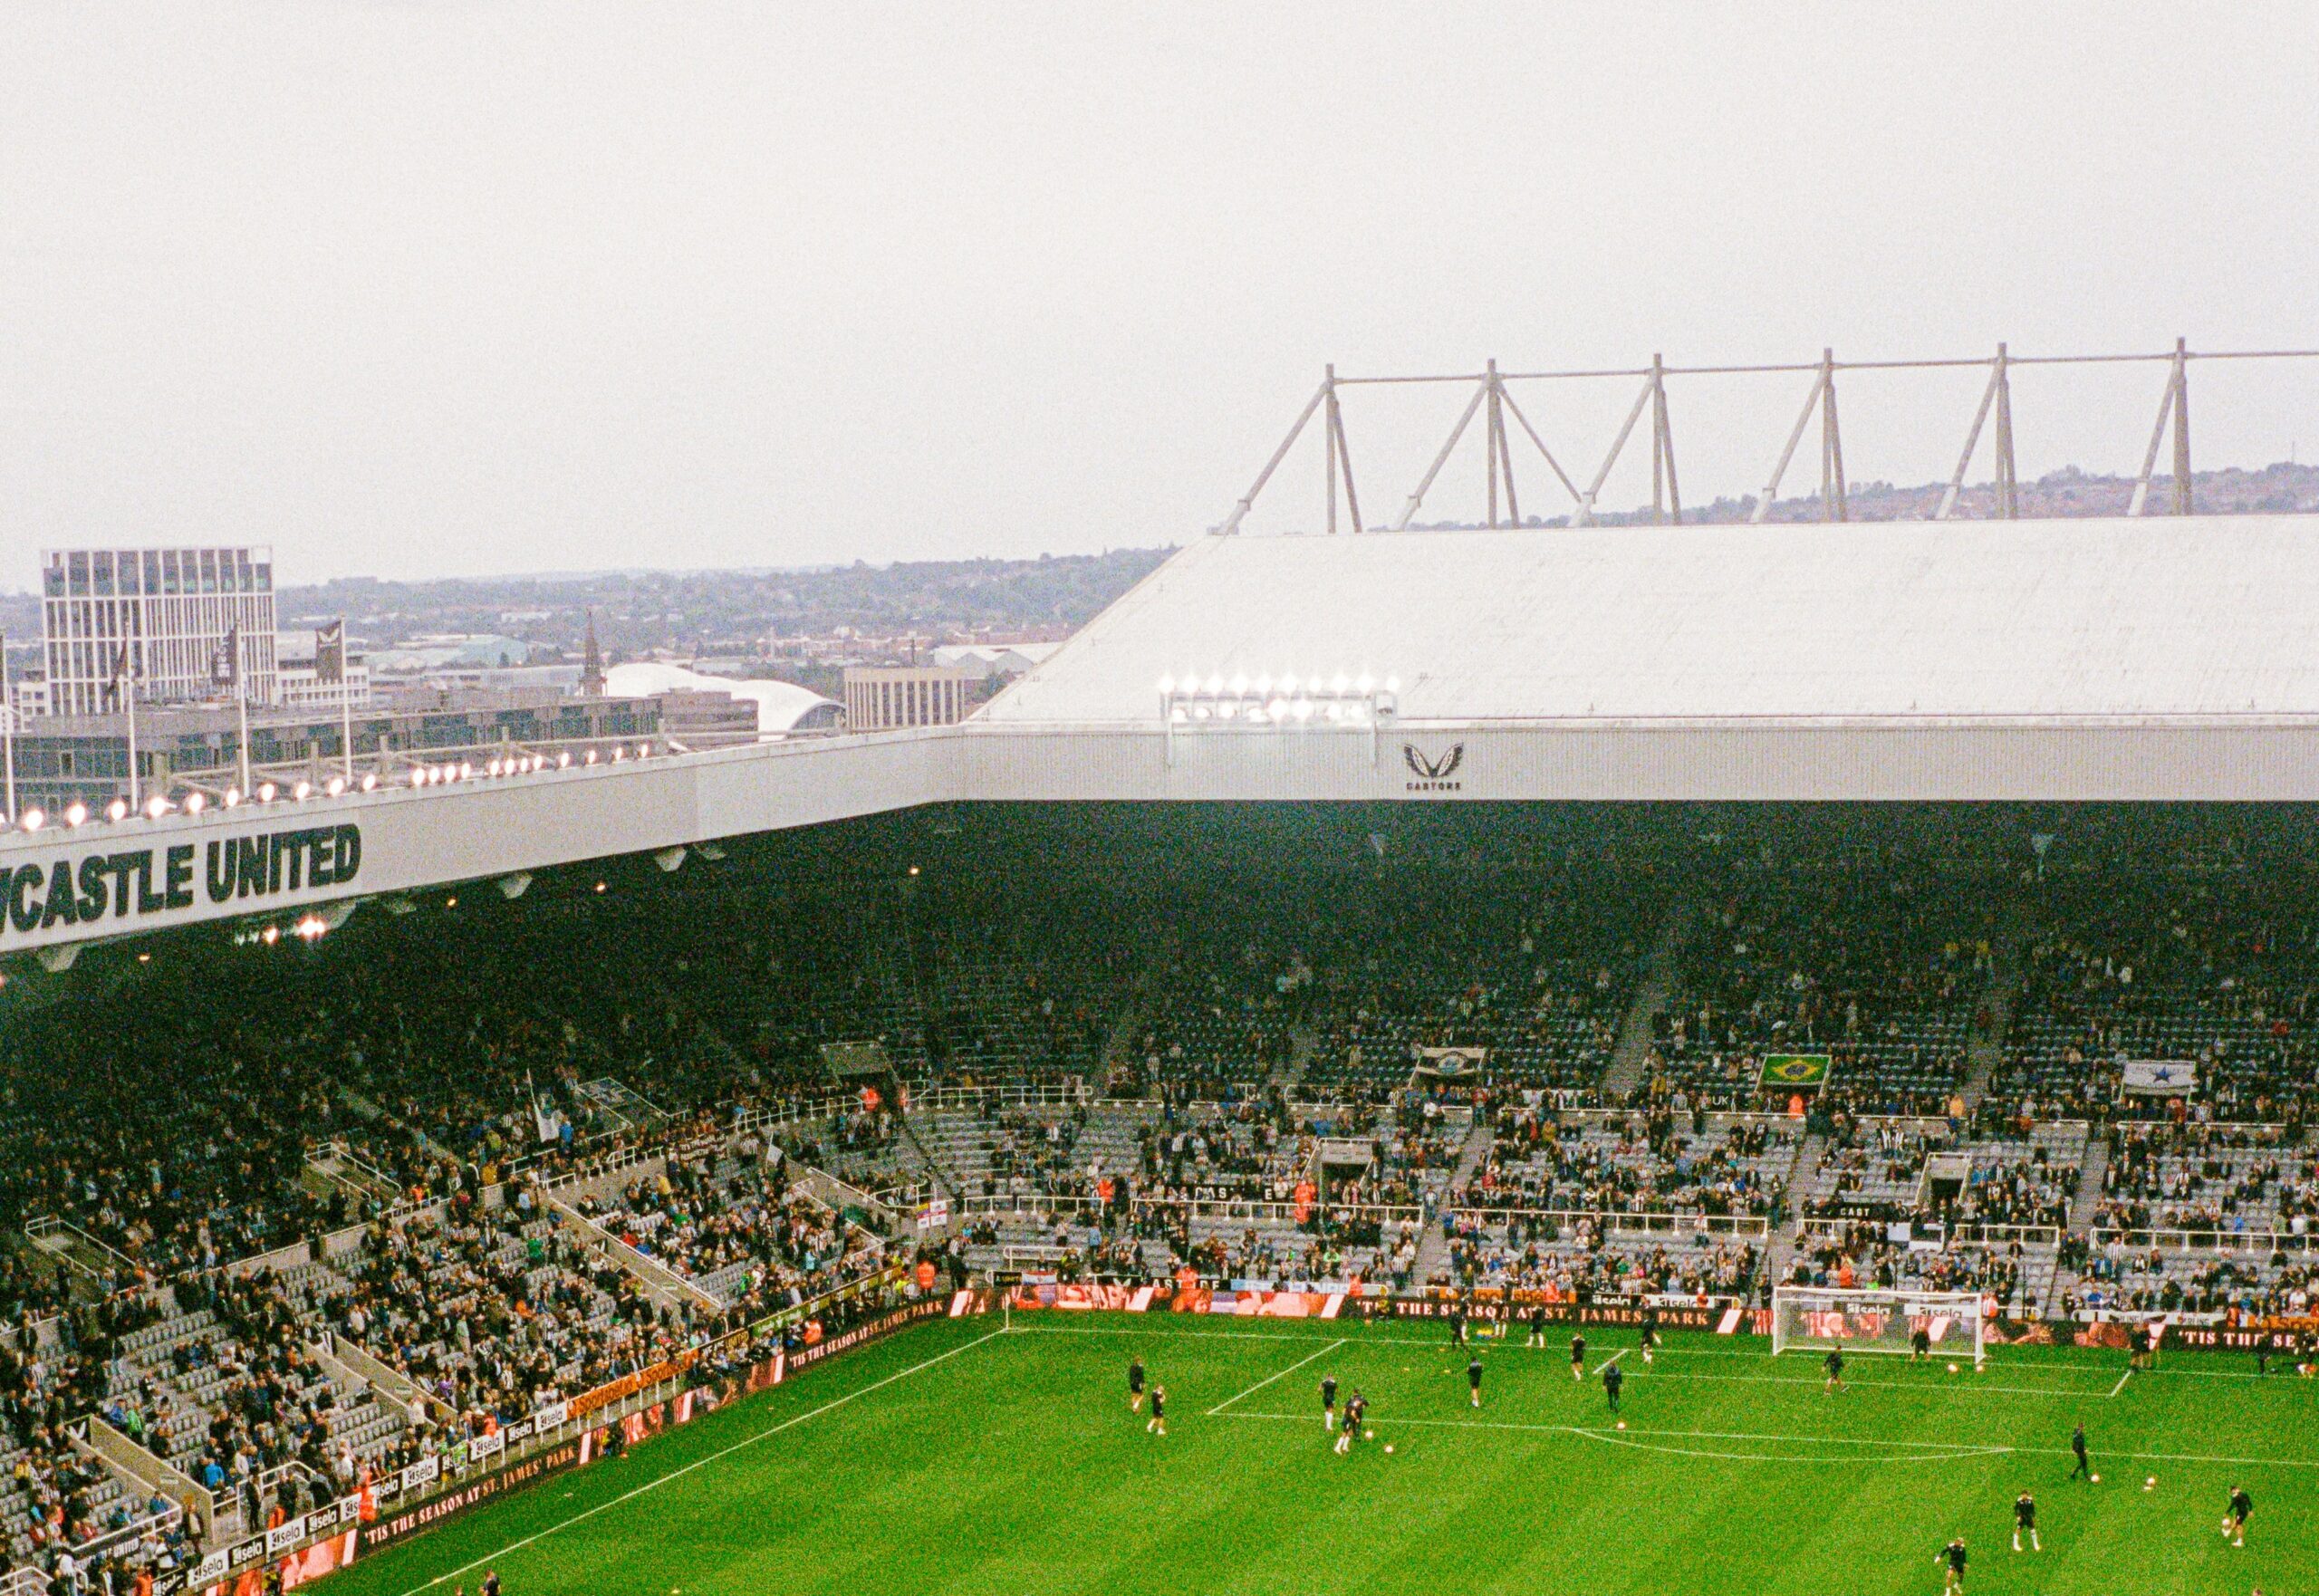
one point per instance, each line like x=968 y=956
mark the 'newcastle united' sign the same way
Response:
x=136 y=883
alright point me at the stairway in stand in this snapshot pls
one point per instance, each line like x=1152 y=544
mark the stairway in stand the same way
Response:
x=1433 y=1246
x=1631 y=1055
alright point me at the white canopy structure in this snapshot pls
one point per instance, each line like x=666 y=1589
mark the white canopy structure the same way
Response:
x=2210 y=619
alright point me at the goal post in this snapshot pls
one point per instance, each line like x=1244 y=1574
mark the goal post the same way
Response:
x=1866 y=1320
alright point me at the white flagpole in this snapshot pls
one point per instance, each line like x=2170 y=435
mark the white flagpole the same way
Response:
x=242 y=709
x=129 y=695
x=8 y=728
x=345 y=706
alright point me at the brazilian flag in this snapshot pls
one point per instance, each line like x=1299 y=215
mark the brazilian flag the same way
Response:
x=1794 y=1070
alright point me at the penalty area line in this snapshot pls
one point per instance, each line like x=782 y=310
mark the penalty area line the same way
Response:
x=656 y=1482
x=1269 y=1378
x=2120 y=1385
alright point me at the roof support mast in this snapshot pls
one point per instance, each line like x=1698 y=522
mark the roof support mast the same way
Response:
x=2174 y=406
x=1832 y=443
x=1996 y=396
x=1340 y=457
x=1501 y=458
x=1666 y=498
x=1584 y=514
x=1240 y=510
x=1821 y=384
x=1482 y=390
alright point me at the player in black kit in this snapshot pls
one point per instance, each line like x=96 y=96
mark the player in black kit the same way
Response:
x=2077 y=1446
x=2234 y=1525
x=2025 y=1521
x=1135 y=1385
x=1537 y=1324
x=1953 y=1554
x=1650 y=1330
x=1835 y=1362
x=1158 y=1425
x=1328 y=1401
x=1614 y=1377
x=1474 y=1379
x=1578 y=1356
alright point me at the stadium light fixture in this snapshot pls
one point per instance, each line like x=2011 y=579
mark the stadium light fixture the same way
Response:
x=194 y=802
x=156 y=806
x=1292 y=701
x=76 y=814
x=369 y=781
x=303 y=790
x=563 y=760
x=33 y=818
x=311 y=926
x=265 y=791
x=335 y=786
x=117 y=811
x=233 y=797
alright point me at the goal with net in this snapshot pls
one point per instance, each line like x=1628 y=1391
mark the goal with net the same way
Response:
x=1877 y=1320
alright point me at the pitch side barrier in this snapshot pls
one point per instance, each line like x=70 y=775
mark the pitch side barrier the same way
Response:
x=559 y=1436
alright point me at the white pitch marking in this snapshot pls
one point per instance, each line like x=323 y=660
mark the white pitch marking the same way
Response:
x=2120 y=1385
x=1957 y=1449
x=1268 y=1379
x=654 y=1485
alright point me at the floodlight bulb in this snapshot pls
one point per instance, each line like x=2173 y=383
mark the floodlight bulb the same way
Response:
x=156 y=806
x=1366 y=684
x=369 y=781
x=335 y=786
x=32 y=820
x=1263 y=685
x=194 y=802
x=1167 y=685
x=265 y=790
x=75 y=813
x=233 y=796
x=118 y=810
x=1239 y=682
x=303 y=790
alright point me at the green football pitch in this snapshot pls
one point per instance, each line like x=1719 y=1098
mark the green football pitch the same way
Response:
x=966 y=1457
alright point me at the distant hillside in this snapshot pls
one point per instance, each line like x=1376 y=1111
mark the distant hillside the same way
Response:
x=735 y=612
x=2278 y=488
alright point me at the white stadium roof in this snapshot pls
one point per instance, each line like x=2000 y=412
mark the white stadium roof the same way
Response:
x=2162 y=660
x=2200 y=616
x=780 y=705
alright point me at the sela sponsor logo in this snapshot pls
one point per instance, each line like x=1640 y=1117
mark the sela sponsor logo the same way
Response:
x=1431 y=775
x=138 y=882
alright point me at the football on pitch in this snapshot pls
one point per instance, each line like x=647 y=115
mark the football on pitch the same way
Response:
x=1369 y=1435
x=1622 y=1423
x=2150 y=1483
x=1389 y=1448
x=2094 y=1477
x=1952 y=1368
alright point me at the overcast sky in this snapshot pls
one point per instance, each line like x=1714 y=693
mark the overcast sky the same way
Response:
x=414 y=289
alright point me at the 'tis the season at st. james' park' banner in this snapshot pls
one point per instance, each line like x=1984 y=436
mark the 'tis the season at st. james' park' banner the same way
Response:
x=81 y=887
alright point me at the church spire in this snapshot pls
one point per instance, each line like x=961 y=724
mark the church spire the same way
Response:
x=592 y=664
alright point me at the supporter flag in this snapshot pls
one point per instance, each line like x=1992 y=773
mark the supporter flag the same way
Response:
x=2158 y=1078
x=120 y=676
x=330 y=651
x=1790 y=1070
x=543 y=1115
